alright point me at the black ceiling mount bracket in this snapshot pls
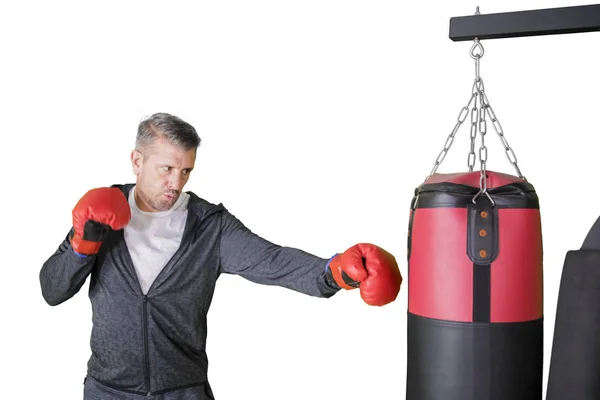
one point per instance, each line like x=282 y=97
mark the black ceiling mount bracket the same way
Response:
x=550 y=21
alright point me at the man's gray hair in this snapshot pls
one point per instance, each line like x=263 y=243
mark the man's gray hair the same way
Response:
x=178 y=132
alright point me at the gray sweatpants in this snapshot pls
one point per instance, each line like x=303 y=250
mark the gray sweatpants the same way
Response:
x=94 y=390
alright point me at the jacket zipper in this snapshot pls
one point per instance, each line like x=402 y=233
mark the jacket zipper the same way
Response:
x=184 y=241
x=145 y=318
x=146 y=355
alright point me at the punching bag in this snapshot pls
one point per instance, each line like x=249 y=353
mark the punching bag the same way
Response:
x=475 y=290
x=575 y=359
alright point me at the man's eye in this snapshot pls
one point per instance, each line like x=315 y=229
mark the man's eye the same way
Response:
x=165 y=169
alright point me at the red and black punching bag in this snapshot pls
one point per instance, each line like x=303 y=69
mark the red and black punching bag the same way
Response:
x=475 y=289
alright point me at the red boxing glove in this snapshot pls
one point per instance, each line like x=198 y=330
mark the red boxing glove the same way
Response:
x=97 y=211
x=370 y=268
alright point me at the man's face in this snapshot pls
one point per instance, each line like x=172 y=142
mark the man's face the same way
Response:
x=162 y=171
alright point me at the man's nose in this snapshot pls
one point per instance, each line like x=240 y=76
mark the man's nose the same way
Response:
x=175 y=181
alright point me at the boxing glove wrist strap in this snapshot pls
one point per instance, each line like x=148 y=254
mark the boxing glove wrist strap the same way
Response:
x=94 y=234
x=328 y=274
x=337 y=277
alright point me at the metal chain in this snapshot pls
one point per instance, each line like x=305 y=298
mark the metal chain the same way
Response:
x=480 y=108
x=462 y=116
x=483 y=149
x=478 y=85
x=510 y=154
x=474 y=118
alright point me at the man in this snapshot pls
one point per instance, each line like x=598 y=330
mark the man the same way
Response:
x=154 y=252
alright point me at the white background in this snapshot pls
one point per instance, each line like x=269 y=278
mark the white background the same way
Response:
x=318 y=120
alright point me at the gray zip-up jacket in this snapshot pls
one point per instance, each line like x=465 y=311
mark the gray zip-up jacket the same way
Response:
x=155 y=343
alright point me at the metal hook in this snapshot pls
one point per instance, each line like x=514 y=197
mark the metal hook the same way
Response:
x=483 y=192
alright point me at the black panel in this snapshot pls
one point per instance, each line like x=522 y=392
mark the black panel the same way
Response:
x=549 y=21
x=481 y=292
x=447 y=194
x=474 y=361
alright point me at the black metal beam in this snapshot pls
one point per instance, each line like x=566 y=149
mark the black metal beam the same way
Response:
x=550 y=21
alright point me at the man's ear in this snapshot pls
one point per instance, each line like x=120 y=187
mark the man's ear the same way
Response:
x=137 y=159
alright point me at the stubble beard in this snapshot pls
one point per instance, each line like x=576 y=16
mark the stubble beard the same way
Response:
x=158 y=201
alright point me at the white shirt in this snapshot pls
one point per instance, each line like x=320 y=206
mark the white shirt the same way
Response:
x=153 y=237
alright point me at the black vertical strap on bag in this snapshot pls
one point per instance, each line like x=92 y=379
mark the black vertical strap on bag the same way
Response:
x=575 y=360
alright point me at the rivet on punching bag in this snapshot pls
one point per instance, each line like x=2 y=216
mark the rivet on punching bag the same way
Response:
x=475 y=276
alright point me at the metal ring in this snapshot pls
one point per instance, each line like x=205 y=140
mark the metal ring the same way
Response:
x=476 y=45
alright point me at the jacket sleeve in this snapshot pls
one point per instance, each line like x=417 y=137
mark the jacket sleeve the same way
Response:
x=246 y=254
x=64 y=273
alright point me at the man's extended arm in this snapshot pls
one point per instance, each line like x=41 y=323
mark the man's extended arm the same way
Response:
x=365 y=266
x=246 y=254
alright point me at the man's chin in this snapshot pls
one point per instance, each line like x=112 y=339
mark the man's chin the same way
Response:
x=166 y=203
